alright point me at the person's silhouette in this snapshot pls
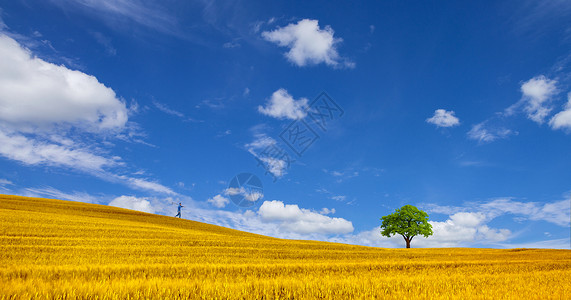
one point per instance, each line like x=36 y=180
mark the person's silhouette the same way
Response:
x=179 y=208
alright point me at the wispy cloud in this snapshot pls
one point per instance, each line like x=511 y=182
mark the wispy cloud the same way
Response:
x=164 y=108
x=52 y=192
x=118 y=12
x=5 y=182
x=558 y=213
x=342 y=175
x=487 y=133
x=105 y=41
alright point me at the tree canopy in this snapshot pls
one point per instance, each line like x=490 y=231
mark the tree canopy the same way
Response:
x=407 y=221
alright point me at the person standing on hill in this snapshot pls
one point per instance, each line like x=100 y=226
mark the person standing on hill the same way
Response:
x=179 y=208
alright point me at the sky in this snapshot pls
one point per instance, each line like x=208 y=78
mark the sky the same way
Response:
x=296 y=119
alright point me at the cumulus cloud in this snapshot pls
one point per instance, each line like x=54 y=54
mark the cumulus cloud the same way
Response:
x=134 y=203
x=219 y=201
x=46 y=110
x=463 y=228
x=443 y=118
x=281 y=105
x=484 y=133
x=276 y=219
x=308 y=44
x=37 y=94
x=537 y=94
x=562 y=120
x=303 y=221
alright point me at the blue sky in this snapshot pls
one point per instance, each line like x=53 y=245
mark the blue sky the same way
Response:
x=462 y=109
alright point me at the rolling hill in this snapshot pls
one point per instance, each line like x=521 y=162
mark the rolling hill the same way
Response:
x=62 y=249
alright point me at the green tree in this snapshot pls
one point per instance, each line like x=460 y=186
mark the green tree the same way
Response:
x=407 y=221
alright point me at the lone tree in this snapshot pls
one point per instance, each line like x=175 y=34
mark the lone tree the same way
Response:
x=407 y=221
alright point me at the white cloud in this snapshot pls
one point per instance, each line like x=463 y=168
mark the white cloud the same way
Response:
x=57 y=194
x=46 y=109
x=260 y=142
x=167 y=110
x=467 y=219
x=219 y=201
x=35 y=93
x=483 y=133
x=327 y=211
x=537 y=94
x=339 y=198
x=443 y=118
x=249 y=195
x=302 y=221
x=230 y=45
x=5 y=182
x=134 y=203
x=562 y=120
x=33 y=152
x=146 y=185
x=105 y=42
x=463 y=228
x=277 y=220
x=276 y=164
x=42 y=99
x=558 y=213
x=117 y=14
x=308 y=44
x=548 y=244
x=282 y=105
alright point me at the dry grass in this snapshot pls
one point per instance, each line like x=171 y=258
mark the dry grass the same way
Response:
x=60 y=249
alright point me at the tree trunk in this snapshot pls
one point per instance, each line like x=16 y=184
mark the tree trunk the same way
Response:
x=407 y=240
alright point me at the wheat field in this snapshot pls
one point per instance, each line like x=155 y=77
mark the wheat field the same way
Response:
x=53 y=249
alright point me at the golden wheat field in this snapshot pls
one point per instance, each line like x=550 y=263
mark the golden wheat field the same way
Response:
x=52 y=249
